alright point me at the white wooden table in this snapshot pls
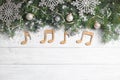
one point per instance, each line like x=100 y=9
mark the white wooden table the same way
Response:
x=56 y=64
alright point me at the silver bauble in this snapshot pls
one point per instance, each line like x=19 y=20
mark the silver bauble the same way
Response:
x=57 y=18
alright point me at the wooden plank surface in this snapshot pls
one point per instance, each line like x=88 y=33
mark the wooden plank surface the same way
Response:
x=59 y=72
x=59 y=64
x=98 y=56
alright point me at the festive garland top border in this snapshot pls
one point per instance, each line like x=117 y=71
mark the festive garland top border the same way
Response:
x=72 y=15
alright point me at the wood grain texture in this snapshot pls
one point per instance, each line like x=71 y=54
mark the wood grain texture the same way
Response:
x=58 y=72
x=63 y=56
x=59 y=64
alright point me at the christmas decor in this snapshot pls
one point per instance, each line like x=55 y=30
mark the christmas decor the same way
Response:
x=70 y=15
x=97 y=25
x=57 y=18
x=27 y=35
x=29 y=16
x=64 y=41
x=51 y=3
x=91 y=34
x=52 y=32
x=86 y=6
x=9 y=12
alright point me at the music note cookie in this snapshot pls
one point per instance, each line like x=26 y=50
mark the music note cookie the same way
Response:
x=26 y=35
x=64 y=41
x=52 y=32
x=91 y=34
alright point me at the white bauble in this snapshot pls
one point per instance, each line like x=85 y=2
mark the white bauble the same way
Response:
x=69 y=17
x=97 y=25
x=29 y=16
x=57 y=18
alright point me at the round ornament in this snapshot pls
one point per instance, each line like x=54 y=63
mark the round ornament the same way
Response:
x=69 y=17
x=97 y=25
x=57 y=18
x=29 y=16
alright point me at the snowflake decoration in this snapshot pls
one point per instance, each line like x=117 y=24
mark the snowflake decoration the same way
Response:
x=86 y=6
x=9 y=12
x=50 y=3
